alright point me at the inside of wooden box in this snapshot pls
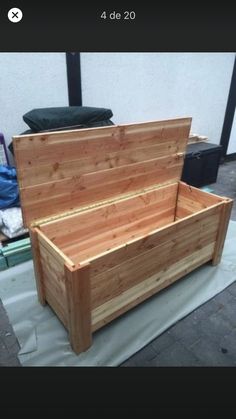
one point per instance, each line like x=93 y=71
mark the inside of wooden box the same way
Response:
x=86 y=234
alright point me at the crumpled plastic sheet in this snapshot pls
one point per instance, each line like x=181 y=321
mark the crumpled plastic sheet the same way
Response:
x=11 y=222
x=44 y=340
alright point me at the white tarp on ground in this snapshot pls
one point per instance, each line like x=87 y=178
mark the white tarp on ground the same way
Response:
x=44 y=340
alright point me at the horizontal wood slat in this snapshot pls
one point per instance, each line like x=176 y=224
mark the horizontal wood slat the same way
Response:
x=135 y=248
x=123 y=179
x=54 y=251
x=143 y=290
x=191 y=200
x=71 y=201
x=57 y=308
x=54 y=282
x=61 y=171
x=69 y=228
x=118 y=279
x=111 y=239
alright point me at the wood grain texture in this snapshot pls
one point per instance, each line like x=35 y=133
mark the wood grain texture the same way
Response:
x=62 y=171
x=133 y=270
x=191 y=200
x=133 y=247
x=56 y=306
x=53 y=279
x=53 y=250
x=78 y=294
x=37 y=266
x=108 y=216
x=125 y=254
x=136 y=229
x=223 y=227
x=121 y=235
x=145 y=289
x=115 y=224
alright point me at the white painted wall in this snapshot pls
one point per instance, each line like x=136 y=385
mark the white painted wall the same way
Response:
x=149 y=86
x=232 y=139
x=28 y=81
x=136 y=86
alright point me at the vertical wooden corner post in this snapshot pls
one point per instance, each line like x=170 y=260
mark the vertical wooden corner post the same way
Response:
x=37 y=266
x=78 y=290
x=222 y=230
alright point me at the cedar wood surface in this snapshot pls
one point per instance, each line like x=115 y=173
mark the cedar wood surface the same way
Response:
x=93 y=265
x=61 y=171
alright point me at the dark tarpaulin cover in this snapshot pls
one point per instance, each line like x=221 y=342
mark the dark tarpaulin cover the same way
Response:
x=51 y=118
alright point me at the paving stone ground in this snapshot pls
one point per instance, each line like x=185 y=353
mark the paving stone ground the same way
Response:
x=207 y=336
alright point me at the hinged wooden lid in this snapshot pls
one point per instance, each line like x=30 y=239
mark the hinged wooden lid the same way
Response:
x=64 y=170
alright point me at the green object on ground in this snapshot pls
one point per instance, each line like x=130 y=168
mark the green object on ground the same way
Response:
x=3 y=263
x=17 y=252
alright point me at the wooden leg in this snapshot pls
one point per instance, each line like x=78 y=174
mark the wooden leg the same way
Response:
x=37 y=266
x=224 y=221
x=78 y=292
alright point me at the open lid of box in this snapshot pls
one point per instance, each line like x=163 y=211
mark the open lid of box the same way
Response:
x=60 y=172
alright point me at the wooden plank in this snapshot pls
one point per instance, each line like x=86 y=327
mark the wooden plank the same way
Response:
x=111 y=215
x=45 y=173
x=111 y=243
x=52 y=288
x=53 y=270
x=116 y=221
x=110 y=237
x=37 y=266
x=173 y=243
x=132 y=248
x=52 y=249
x=121 y=277
x=81 y=195
x=135 y=295
x=148 y=165
x=79 y=307
x=54 y=282
x=182 y=213
x=54 y=304
x=118 y=226
x=160 y=167
x=191 y=200
x=188 y=204
x=135 y=147
x=223 y=227
x=109 y=139
x=198 y=195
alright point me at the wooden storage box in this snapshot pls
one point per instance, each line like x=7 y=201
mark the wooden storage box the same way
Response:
x=110 y=222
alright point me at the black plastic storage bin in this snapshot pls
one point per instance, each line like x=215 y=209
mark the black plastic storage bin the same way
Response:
x=201 y=163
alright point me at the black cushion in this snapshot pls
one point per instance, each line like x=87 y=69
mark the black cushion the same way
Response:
x=50 y=118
